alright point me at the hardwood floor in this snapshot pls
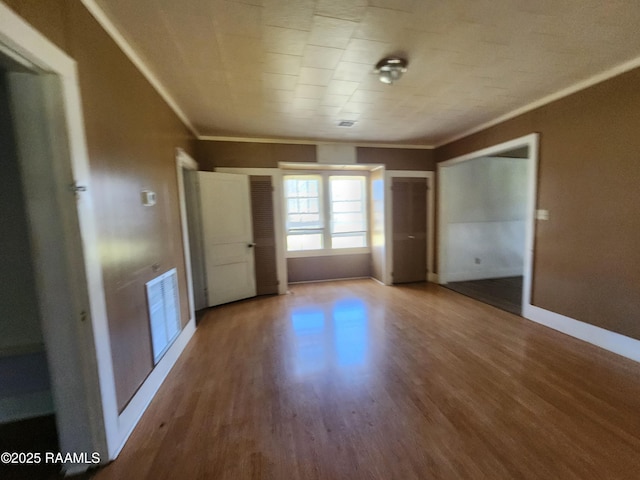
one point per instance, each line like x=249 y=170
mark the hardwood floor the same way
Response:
x=504 y=293
x=353 y=380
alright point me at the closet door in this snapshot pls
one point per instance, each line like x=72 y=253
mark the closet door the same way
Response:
x=409 y=212
x=264 y=234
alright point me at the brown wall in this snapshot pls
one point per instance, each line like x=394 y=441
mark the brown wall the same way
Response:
x=211 y=154
x=308 y=269
x=131 y=136
x=587 y=260
x=398 y=158
x=47 y=16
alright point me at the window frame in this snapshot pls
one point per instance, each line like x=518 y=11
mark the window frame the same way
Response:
x=321 y=210
x=326 y=214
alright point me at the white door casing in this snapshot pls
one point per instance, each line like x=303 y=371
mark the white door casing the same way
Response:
x=227 y=236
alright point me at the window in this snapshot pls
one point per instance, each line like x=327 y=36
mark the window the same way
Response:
x=305 y=223
x=325 y=212
x=348 y=212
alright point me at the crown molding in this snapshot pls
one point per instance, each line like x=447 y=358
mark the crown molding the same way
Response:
x=298 y=141
x=106 y=23
x=582 y=85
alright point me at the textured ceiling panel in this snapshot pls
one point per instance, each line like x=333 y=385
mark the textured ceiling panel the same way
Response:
x=295 y=68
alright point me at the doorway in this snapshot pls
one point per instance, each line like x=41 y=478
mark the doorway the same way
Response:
x=27 y=416
x=49 y=138
x=487 y=201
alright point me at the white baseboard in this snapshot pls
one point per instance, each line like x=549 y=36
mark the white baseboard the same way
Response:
x=433 y=277
x=481 y=274
x=327 y=280
x=130 y=416
x=611 y=341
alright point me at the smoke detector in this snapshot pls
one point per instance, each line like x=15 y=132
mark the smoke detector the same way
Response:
x=391 y=69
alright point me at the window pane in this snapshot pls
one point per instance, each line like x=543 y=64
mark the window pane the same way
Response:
x=347 y=206
x=312 y=188
x=347 y=188
x=303 y=204
x=348 y=213
x=292 y=205
x=310 y=241
x=349 y=241
x=303 y=221
x=348 y=222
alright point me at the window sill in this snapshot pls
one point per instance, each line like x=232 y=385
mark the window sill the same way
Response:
x=328 y=252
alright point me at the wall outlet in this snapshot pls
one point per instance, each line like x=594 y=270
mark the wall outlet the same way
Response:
x=542 y=214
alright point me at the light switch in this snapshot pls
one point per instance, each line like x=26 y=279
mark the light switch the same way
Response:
x=542 y=214
x=148 y=198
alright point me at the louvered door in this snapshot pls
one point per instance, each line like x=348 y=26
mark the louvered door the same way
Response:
x=264 y=235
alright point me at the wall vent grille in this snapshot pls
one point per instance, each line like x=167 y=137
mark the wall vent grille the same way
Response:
x=163 y=304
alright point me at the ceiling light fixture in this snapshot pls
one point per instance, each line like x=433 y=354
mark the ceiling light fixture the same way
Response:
x=391 y=69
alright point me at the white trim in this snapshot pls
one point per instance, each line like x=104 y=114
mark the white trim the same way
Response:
x=300 y=167
x=302 y=141
x=433 y=277
x=136 y=407
x=18 y=59
x=531 y=141
x=249 y=171
x=469 y=275
x=582 y=85
x=184 y=161
x=335 y=280
x=94 y=345
x=388 y=218
x=611 y=341
x=113 y=31
x=278 y=216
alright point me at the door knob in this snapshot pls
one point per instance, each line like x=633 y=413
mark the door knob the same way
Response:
x=412 y=236
x=251 y=245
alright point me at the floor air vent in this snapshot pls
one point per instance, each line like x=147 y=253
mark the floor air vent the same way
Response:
x=164 y=312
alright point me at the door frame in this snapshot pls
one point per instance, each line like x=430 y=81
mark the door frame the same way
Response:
x=388 y=177
x=86 y=409
x=531 y=141
x=184 y=161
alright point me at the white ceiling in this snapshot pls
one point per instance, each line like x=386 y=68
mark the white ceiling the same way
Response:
x=294 y=68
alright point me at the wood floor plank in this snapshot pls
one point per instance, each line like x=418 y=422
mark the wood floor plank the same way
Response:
x=354 y=380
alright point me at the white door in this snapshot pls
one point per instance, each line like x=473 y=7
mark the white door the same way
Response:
x=227 y=237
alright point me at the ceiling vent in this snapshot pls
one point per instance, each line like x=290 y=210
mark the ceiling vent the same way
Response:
x=346 y=123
